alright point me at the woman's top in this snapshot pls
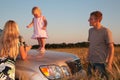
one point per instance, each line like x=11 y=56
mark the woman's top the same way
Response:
x=7 y=68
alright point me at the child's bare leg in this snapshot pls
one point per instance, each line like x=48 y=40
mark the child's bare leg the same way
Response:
x=39 y=42
x=43 y=42
x=42 y=47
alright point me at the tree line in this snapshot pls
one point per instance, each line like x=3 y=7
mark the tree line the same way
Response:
x=64 y=45
x=67 y=45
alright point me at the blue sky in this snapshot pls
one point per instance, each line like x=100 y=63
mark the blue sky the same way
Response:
x=67 y=19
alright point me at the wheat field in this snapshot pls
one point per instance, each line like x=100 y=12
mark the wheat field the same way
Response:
x=82 y=54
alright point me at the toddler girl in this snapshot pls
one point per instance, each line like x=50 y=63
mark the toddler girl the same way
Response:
x=39 y=23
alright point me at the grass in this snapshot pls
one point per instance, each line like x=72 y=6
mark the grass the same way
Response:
x=82 y=54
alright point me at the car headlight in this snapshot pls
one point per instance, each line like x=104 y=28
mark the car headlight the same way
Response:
x=52 y=71
x=65 y=71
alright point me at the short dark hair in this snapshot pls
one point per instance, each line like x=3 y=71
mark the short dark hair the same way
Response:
x=97 y=14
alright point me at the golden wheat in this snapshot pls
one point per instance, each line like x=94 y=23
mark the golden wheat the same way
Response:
x=82 y=54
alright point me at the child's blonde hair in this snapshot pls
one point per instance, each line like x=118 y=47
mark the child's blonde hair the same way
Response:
x=9 y=40
x=36 y=10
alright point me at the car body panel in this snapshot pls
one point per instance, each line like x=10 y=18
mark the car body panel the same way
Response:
x=29 y=69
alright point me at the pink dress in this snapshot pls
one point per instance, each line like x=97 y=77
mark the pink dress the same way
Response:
x=38 y=31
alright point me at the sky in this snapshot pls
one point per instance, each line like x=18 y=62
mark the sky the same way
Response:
x=67 y=19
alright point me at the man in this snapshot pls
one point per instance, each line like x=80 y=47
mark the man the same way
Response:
x=101 y=49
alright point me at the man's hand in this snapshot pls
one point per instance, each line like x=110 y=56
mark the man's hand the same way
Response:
x=109 y=67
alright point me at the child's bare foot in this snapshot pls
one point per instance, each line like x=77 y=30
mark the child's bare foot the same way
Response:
x=42 y=50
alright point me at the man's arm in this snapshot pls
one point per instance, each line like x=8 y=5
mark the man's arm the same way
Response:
x=110 y=55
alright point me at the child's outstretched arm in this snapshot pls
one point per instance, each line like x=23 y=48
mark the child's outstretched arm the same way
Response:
x=30 y=25
x=45 y=23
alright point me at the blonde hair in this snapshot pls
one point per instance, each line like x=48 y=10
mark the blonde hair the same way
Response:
x=9 y=40
x=36 y=10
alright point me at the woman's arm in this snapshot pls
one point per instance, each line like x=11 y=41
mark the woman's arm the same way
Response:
x=23 y=51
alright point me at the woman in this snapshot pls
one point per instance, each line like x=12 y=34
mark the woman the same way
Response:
x=9 y=50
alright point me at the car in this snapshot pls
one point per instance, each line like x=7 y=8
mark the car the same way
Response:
x=52 y=66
